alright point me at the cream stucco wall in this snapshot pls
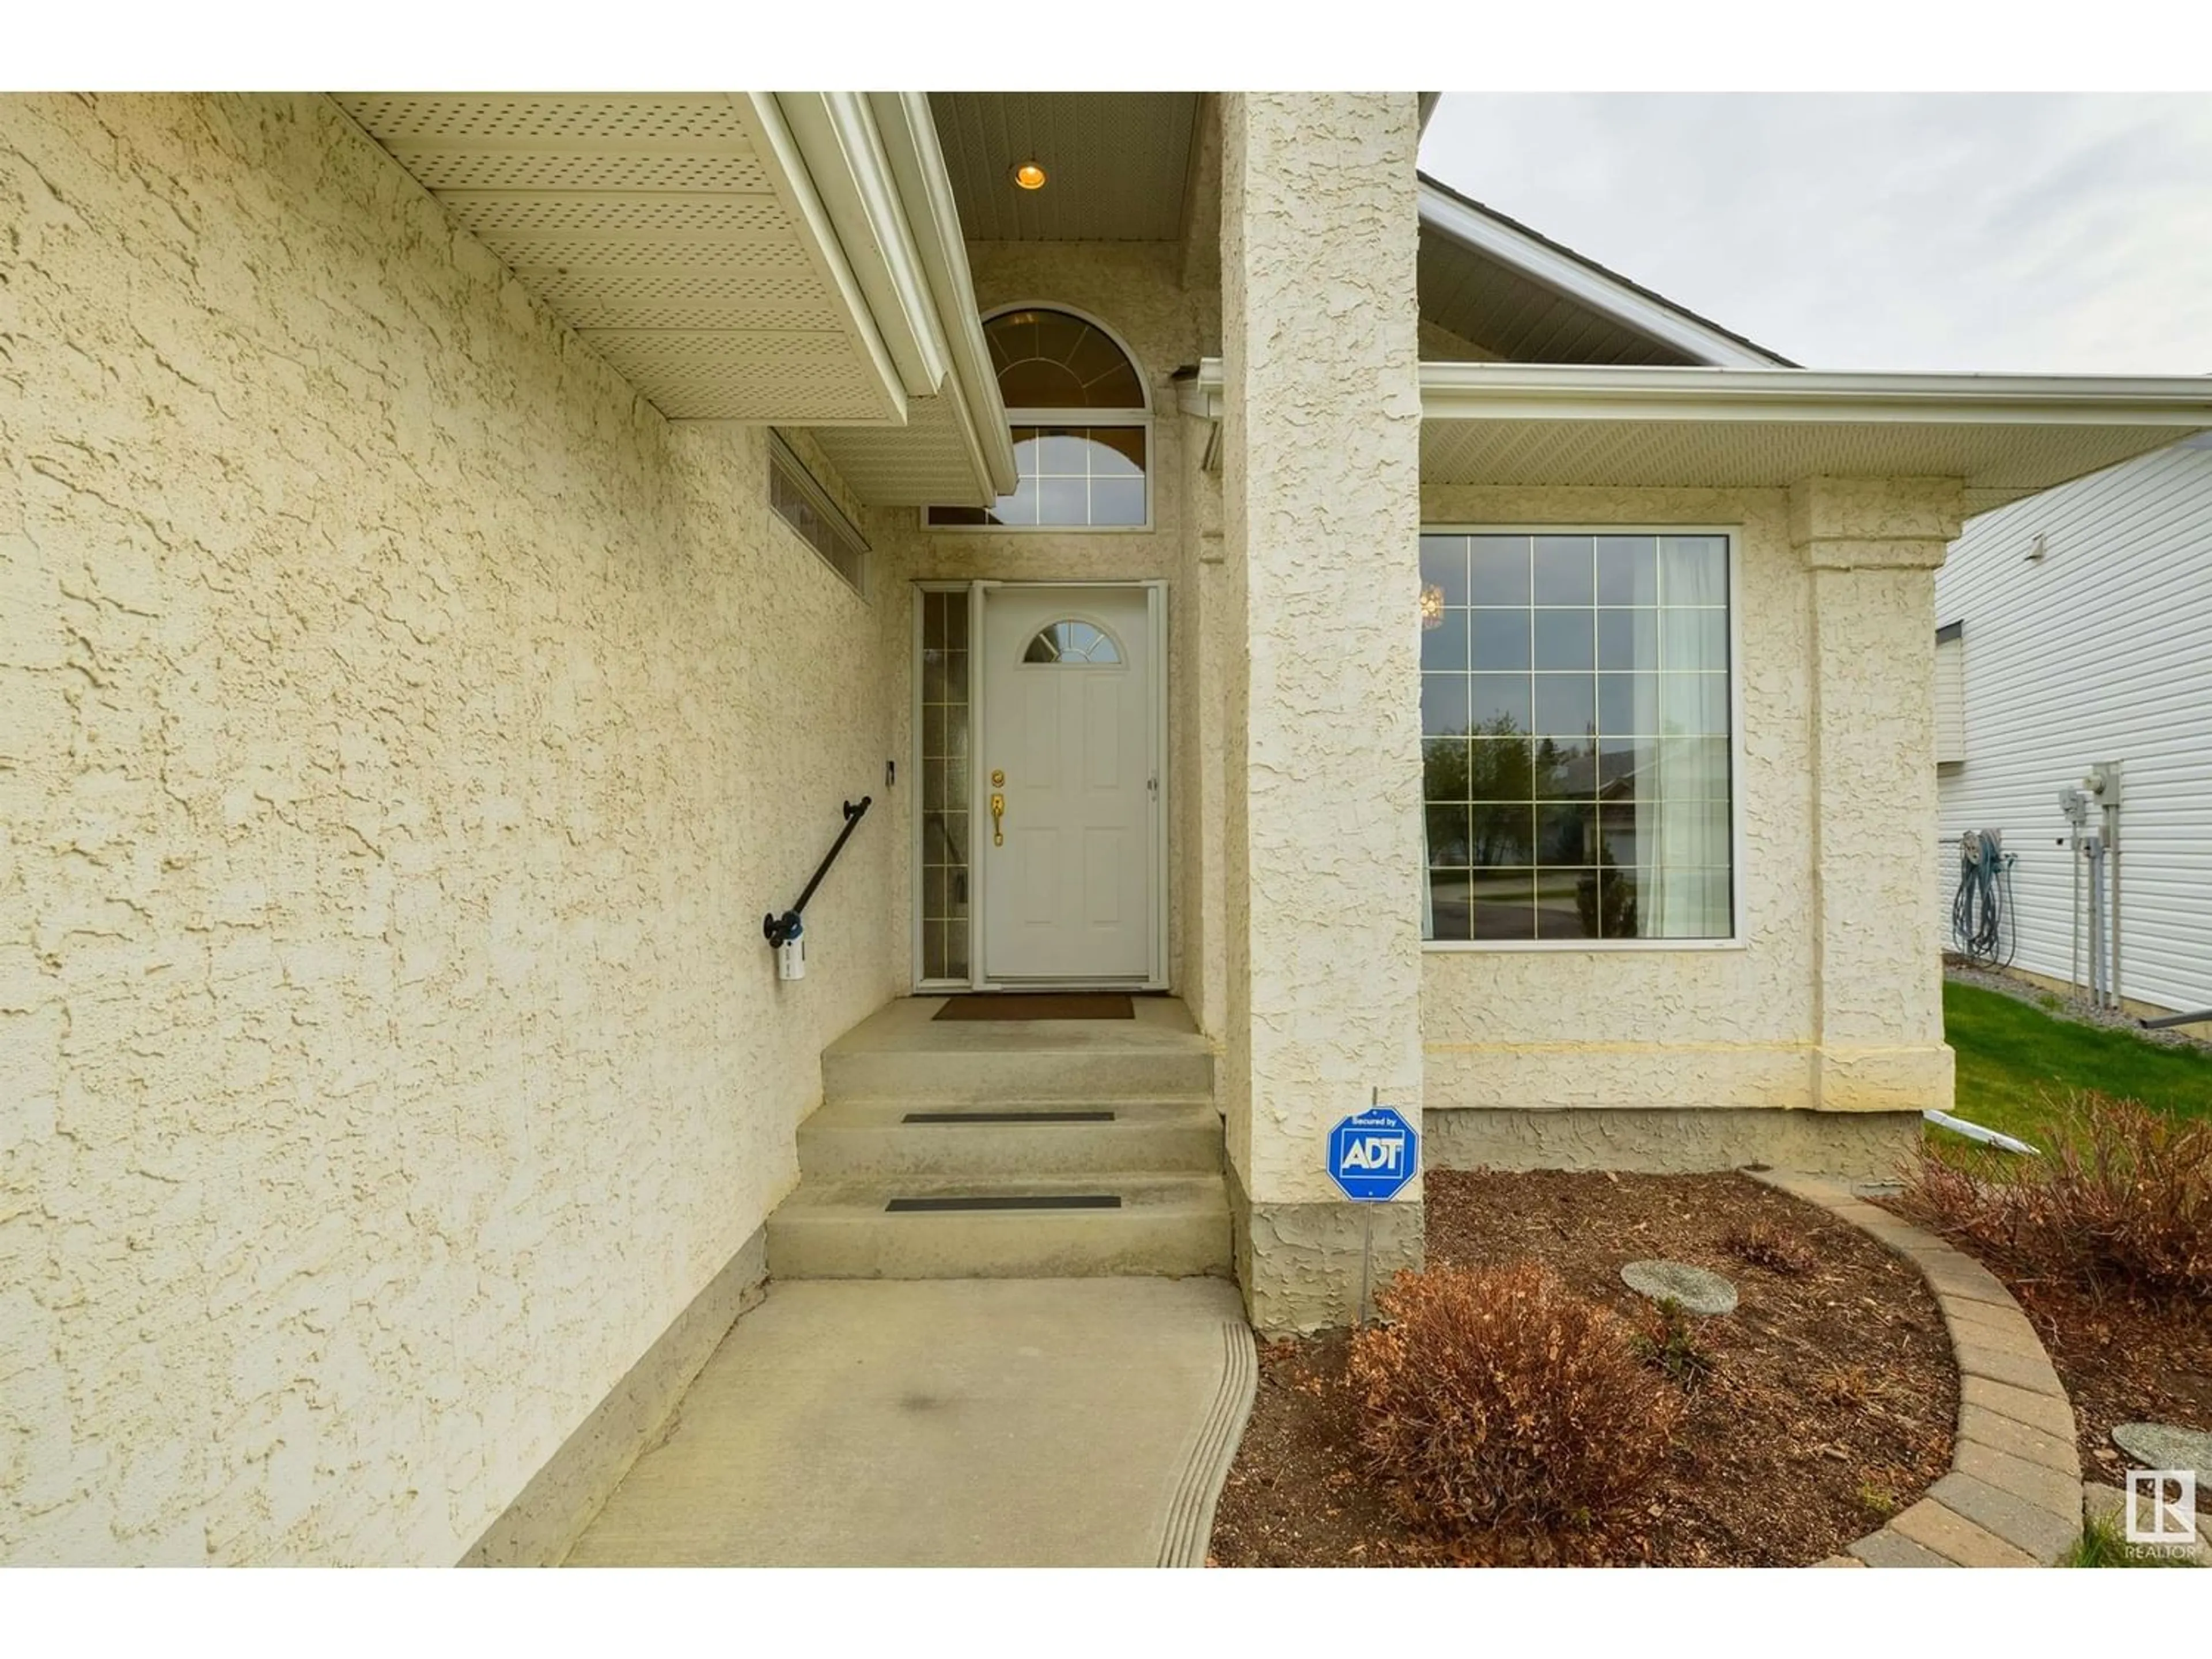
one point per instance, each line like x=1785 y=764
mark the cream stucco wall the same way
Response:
x=1820 y=1003
x=403 y=730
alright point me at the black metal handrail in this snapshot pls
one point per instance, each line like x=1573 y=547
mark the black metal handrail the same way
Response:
x=783 y=928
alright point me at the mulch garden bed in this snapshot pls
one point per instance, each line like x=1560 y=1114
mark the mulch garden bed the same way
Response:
x=2122 y=1359
x=1830 y=1405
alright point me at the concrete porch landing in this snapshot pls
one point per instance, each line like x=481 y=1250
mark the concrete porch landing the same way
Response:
x=903 y=1052
x=947 y=1423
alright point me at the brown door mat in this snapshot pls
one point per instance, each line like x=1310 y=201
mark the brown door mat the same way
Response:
x=1019 y=1004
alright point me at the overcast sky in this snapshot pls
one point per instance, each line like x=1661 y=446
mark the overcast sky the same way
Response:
x=2059 y=233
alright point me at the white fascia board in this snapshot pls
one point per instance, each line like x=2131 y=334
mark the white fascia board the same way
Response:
x=789 y=176
x=1578 y=283
x=1483 y=392
x=836 y=137
x=909 y=135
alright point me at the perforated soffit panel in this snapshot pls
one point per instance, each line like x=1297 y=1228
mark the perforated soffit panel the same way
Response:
x=922 y=464
x=1999 y=462
x=651 y=226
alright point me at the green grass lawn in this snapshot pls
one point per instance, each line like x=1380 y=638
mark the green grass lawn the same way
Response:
x=2010 y=1054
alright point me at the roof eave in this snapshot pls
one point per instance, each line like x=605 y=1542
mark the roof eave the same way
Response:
x=794 y=167
x=873 y=163
x=1584 y=283
x=917 y=165
x=1761 y=427
x=1470 y=392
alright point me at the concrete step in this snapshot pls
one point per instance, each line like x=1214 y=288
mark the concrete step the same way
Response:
x=873 y=1140
x=1031 y=1075
x=901 y=1053
x=1173 y=1225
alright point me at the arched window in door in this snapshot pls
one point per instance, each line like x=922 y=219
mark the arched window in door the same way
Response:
x=1072 y=641
x=1082 y=428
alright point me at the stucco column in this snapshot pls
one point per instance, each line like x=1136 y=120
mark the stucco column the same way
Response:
x=1871 y=547
x=1321 y=699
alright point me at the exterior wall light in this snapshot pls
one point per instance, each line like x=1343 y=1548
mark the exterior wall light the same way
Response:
x=1029 y=176
x=1432 y=607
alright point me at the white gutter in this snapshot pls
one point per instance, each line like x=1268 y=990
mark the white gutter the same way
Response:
x=1479 y=392
x=869 y=165
x=793 y=179
x=1577 y=281
x=909 y=134
x=1576 y=391
x=1565 y=392
x=836 y=136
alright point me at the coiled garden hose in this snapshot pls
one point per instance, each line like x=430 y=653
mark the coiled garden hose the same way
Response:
x=1982 y=926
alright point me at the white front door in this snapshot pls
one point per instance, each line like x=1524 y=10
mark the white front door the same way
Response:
x=1067 y=759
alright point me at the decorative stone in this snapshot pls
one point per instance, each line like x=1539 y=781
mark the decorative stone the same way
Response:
x=1697 y=1290
x=2168 y=1446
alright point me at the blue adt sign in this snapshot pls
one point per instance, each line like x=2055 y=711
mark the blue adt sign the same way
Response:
x=1372 y=1154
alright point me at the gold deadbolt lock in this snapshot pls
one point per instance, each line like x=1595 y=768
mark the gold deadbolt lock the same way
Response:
x=998 y=809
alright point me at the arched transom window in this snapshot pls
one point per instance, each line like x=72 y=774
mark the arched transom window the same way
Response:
x=1080 y=428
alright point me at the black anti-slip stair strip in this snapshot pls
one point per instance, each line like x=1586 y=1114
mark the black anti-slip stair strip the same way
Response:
x=1006 y=1202
x=1007 y=1117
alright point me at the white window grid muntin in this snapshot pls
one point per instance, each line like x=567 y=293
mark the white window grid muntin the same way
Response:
x=1087 y=657
x=1122 y=419
x=1732 y=538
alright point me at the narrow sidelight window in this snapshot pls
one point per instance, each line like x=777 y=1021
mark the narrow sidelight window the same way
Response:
x=944 y=868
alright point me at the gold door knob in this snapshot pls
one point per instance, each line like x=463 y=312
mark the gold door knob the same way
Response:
x=998 y=818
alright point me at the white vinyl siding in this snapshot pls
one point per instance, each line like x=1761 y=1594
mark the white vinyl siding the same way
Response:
x=2100 y=650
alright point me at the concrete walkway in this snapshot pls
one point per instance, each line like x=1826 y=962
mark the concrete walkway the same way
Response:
x=948 y=1423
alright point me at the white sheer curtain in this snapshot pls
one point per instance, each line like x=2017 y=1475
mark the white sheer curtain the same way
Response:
x=1682 y=790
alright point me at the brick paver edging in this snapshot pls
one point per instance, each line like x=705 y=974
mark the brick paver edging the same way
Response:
x=2013 y=1496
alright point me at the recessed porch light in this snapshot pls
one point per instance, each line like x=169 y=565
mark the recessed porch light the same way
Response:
x=1029 y=176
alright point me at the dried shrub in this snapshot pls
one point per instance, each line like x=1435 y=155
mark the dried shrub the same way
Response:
x=2125 y=1200
x=1495 y=1395
x=1763 y=1244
